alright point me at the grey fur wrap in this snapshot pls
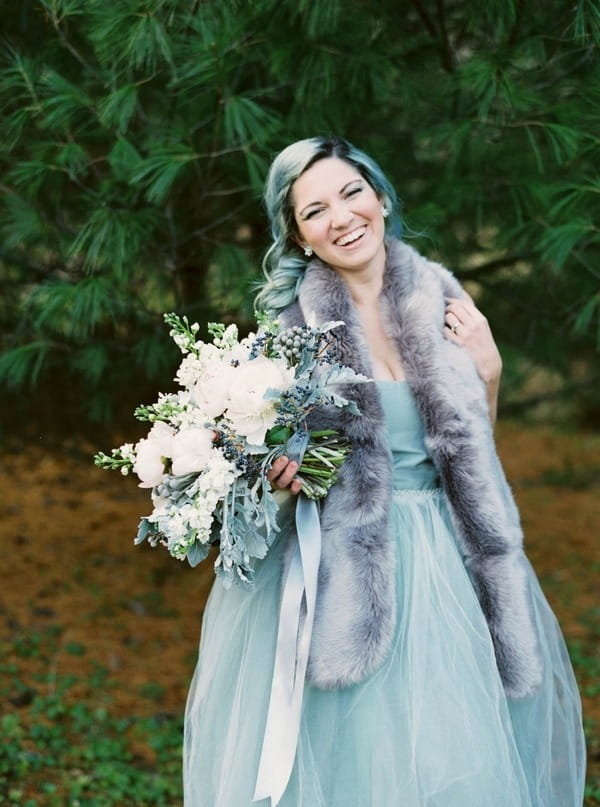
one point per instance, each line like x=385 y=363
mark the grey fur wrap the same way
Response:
x=356 y=600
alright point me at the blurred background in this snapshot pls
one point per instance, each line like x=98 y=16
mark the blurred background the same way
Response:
x=135 y=137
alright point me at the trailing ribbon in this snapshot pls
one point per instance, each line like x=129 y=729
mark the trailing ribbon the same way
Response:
x=296 y=617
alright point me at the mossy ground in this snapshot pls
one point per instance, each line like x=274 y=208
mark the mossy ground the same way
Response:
x=98 y=638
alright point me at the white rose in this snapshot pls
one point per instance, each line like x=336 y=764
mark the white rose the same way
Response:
x=151 y=453
x=211 y=392
x=249 y=413
x=239 y=352
x=191 y=450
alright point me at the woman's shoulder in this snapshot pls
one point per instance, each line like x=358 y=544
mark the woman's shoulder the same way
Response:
x=291 y=315
x=403 y=257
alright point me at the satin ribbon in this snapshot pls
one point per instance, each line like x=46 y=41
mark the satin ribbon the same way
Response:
x=296 y=617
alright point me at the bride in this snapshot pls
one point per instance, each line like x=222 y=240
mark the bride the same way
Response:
x=437 y=674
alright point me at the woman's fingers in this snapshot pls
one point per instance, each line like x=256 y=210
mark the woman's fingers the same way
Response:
x=466 y=326
x=277 y=468
x=282 y=475
x=453 y=324
x=462 y=320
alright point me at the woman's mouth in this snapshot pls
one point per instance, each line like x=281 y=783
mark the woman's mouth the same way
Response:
x=351 y=238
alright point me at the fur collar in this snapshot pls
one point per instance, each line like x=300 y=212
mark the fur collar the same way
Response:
x=356 y=604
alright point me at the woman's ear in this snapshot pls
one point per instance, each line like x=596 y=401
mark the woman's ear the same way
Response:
x=299 y=242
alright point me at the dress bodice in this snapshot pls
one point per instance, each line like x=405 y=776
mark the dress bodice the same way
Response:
x=412 y=467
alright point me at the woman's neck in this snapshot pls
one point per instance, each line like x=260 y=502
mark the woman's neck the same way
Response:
x=364 y=287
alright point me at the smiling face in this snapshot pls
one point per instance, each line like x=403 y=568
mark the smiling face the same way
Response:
x=338 y=214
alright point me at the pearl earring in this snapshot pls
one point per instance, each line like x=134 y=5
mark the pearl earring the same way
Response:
x=308 y=250
x=384 y=212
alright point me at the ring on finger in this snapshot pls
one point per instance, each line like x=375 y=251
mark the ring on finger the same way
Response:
x=454 y=327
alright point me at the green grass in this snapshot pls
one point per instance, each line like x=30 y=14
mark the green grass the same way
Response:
x=592 y=788
x=586 y=664
x=64 y=753
x=60 y=751
x=571 y=477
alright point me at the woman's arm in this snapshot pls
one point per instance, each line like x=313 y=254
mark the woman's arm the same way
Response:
x=466 y=326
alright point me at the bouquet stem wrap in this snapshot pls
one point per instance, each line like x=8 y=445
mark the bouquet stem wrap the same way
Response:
x=296 y=617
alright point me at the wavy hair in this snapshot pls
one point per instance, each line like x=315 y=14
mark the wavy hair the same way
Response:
x=285 y=262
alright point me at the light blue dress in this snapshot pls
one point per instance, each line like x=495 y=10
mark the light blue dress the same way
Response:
x=432 y=727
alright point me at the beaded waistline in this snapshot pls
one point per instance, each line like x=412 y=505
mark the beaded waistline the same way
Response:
x=425 y=493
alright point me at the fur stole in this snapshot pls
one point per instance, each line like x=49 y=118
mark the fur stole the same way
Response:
x=356 y=602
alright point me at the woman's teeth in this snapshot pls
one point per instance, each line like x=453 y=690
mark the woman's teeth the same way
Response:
x=350 y=237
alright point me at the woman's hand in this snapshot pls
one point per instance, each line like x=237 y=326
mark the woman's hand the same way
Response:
x=282 y=474
x=466 y=326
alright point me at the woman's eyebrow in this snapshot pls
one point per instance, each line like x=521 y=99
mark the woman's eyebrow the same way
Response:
x=341 y=191
x=352 y=181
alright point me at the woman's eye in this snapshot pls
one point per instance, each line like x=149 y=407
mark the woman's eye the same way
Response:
x=312 y=213
x=353 y=191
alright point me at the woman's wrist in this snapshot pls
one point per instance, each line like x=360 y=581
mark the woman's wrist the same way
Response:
x=492 y=390
x=492 y=370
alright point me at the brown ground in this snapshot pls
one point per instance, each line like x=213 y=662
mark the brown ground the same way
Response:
x=66 y=531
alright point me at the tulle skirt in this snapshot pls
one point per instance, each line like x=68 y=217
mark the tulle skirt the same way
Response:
x=431 y=728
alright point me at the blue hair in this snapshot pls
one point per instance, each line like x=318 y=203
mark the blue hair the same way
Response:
x=284 y=262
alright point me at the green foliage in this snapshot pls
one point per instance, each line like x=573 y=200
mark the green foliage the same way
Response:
x=65 y=749
x=72 y=754
x=137 y=134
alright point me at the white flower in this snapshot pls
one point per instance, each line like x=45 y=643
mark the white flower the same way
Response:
x=181 y=340
x=159 y=503
x=191 y=416
x=189 y=371
x=191 y=450
x=127 y=451
x=211 y=392
x=240 y=352
x=218 y=477
x=151 y=454
x=249 y=413
x=229 y=338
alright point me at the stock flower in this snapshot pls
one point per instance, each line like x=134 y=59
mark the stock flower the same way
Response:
x=191 y=450
x=249 y=412
x=159 y=503
x=151 y=453
x=218 y=476
x=189 y=369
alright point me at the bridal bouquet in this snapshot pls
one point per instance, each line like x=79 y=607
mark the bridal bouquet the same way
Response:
x=242 y=404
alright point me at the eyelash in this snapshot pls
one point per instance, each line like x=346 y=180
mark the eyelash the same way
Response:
x=318 y=210
x=312 y=213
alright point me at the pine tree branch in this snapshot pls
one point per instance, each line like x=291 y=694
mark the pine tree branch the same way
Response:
x=425 y=18
x=585 y=263
x=211 y=225
x=23 y=263
x=492 y=266
x=516 y=28
x=446 y=49
x=227 y=191
x=438 y=32
x=66 y=43
x=567 y=390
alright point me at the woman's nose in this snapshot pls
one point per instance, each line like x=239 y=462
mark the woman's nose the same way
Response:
x=341 y=216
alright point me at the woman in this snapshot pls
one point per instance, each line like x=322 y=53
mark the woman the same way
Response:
x=437 y=675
